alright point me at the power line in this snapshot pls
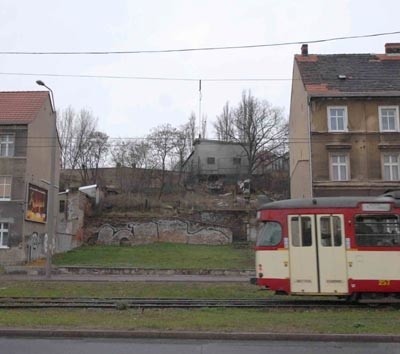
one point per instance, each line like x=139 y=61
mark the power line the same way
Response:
x=250 y=46
x=143 y=77
x=156 y=78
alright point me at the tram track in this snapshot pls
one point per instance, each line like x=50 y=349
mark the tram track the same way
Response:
x=163 y=303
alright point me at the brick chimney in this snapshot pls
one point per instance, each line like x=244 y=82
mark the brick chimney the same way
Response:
x=304 y=49
x=392 y=48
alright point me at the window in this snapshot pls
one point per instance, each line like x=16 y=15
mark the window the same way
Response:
x=6 y=145
x=337 y=119
x=301 y=231
x=62 y=206
x=378 y=230
x=331 y=231
x=5 y=188
x=3 y=235
x=391 y=167
x=270 y=234
x=211 y=160
x=237 y=161
x=339 y=167
x=388 y=118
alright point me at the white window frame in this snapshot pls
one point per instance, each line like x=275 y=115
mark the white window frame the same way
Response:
x=7 y=144
x=3 y=229
x=4 y=182
x=391 y=165
x=396 y=119
x=345 y=120
x=335 y=164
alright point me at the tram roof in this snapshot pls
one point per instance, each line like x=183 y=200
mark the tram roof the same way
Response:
x=328 y=202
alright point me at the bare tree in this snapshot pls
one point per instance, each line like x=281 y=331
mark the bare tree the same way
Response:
x=224 y=124
x=75 y=131
x=259 y=128
x=190 y=129
x=83 y=146
x=93 y=156
x=203 y=127
x=163 y=143
x=130 y=153
x=65 y=128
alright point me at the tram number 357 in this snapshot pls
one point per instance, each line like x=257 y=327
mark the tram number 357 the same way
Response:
x=383 y=282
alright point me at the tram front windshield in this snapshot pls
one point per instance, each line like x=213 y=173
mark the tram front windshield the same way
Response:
x=270 y=234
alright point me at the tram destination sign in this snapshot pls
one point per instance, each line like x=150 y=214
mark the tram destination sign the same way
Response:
x=375 y=206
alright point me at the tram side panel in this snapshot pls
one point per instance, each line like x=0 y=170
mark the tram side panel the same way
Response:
x=273 y=269
x=374 y=271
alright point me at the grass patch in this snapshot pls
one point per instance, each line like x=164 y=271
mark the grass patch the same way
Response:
x=131 y=289
x=357 y=321
x=160 y=256
x=361 y=321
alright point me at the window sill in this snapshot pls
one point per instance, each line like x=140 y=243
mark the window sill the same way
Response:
x=388 y=146
x=338 y=146
x=4 y=247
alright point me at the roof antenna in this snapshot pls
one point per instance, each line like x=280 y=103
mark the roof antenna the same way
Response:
x=199 y=109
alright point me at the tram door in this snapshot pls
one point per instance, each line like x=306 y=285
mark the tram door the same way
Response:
x=317 y=254
x=302 y=255
x=331 y=254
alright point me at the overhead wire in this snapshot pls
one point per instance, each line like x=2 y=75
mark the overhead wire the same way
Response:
x=175 y=50
x=142 y=77
x=249 y=46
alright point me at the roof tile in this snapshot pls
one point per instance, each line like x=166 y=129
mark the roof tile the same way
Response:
x=21 y=107
x=360 y=73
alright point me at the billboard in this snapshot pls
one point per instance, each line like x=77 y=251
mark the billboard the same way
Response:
x=36 y=209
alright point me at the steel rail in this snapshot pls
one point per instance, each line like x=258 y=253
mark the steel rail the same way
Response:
x=122 y=303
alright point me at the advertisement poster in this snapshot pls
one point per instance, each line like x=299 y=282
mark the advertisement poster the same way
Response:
x=37 y=204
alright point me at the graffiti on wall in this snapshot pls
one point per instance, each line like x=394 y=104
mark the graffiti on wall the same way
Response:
x=179 y=231
x=35 y=246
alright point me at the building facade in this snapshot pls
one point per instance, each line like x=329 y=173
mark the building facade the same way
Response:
x=215 y=158
x=26 y=125
x=344 y=129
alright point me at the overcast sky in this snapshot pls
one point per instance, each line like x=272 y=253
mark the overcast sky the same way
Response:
x=131 y=108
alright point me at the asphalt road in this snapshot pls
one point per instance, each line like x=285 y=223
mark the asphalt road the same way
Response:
x=175 y=346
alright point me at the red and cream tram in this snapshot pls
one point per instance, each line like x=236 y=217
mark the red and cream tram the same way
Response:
x=344 y=246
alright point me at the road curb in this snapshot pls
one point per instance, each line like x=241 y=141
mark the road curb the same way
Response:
x=62 y=333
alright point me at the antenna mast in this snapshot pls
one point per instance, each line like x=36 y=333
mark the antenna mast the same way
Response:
x=200 y=109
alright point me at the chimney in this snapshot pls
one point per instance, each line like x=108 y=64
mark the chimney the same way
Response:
x=304 y=49
x=392 y=48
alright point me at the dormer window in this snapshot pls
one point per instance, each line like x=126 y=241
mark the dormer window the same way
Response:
x=389 y=118
x=337 y=119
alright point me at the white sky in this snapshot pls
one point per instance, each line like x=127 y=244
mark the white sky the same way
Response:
x=131 y=108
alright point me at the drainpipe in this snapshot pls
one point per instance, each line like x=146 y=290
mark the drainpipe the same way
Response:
x=309 y=144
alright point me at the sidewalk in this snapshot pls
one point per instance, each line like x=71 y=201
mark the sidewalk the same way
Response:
x=196 y=335
x=120 y=274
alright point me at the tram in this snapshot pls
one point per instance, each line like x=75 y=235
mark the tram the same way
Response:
x=343 y=246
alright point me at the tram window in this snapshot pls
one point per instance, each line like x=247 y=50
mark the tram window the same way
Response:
x=378 y=230
x=331 y=234
x=301 y=235
x=270 y=234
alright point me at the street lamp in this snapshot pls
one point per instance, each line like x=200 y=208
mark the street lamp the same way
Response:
x=50 y=214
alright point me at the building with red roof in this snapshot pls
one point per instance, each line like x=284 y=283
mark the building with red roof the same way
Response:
x=26 y=124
